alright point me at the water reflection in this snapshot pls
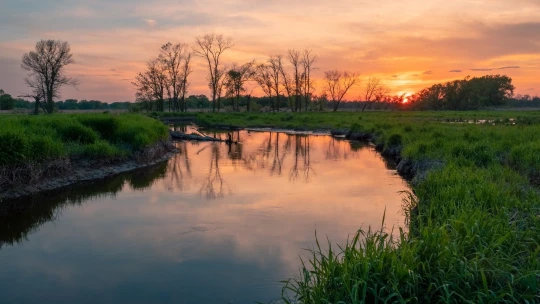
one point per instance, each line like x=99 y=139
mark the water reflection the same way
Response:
x=214 y=224
x=43 y=208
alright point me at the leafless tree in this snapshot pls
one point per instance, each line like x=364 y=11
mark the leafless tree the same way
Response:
x=211 y=47
x=374 y=91
x=186 y=71
x=151 y=85
x=276 y=66
x=236 y=77
x=294 y=59
x=307 y=62
x=46 y=66
x=287 y=83
x=263 y=77
x=222 y=78
x=337 y=85
x=171 y=57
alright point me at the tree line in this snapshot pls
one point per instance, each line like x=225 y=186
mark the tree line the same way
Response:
x=465 y=94
x=165 y=80
x=286 y=82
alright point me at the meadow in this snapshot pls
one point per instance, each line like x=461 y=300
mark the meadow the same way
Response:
x=474 y=216
x=39 y=140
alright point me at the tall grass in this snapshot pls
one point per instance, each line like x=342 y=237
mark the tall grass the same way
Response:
x=39 y=139
x=474 y=221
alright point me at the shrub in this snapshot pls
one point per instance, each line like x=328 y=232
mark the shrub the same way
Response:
x=106 y=125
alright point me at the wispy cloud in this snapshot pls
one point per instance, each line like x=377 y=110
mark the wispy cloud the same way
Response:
x=454 y=71
x=150 y=22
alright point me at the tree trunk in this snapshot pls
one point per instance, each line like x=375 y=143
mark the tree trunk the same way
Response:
x=50 y=103
x=36 y=109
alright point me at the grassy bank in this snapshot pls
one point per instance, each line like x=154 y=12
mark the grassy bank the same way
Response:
x=34 y=141
x=474 y=220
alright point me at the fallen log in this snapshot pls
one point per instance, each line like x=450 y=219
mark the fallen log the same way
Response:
x=183 y=136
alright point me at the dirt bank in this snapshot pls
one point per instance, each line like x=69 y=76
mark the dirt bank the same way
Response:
x=61 y=173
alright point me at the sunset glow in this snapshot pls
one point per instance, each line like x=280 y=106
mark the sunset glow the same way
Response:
x=409 y=45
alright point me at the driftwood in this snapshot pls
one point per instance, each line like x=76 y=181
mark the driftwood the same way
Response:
x=183 y=136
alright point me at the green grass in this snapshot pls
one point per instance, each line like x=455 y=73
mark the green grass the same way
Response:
x=37 y=139
x=474 y=218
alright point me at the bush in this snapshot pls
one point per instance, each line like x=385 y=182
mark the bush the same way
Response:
x=78 y=133
x=105 y=124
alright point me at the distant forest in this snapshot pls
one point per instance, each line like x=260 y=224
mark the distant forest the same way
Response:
x=258 y=104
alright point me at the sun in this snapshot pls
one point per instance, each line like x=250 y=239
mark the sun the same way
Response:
x=406 y=96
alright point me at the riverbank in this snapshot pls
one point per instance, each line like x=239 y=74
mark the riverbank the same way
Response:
x=474 y=219
x=42 y=153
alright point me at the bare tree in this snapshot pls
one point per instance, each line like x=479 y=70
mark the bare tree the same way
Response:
x=185 y=72
x=276 y=65
x=211 y=47
x=151 y=85
x=171 y=57
x=236 y=77
x=46 y=66
x=222 y=78
x=337 y=85
x=287 y=83
x=307 y=62
x=294 y=59
x=263 y=77
x=374 y=91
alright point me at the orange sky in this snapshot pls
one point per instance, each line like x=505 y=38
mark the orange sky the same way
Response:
x=408 y=44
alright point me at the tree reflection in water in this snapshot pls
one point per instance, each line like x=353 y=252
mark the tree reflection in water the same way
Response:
x=213 y=185
x=274 y=153
x=47 y=207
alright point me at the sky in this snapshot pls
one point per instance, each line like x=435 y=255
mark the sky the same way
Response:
x=408 y=44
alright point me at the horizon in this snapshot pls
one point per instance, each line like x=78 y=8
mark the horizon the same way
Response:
x=408 y=46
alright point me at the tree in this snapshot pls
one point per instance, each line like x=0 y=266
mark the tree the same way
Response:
x=186 y=71
x=211 y=47
x=151 y=86
x=222 y=78
x=263 y=77
x=46 y=66
x=294 y=59
x=236 y=77
x=172 y=59
x=374 y=90
x=337 y=85
x=307 y=62
x=276 y=66
x=6 y=101
x=287 y=83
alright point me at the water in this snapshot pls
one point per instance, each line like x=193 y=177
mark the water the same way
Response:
x=215 y=224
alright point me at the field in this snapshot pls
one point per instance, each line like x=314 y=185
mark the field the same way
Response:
x=474 y=216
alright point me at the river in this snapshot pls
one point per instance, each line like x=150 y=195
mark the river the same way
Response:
x=216 y=223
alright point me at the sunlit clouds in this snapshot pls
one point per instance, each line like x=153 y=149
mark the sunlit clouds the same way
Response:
x=407 y=44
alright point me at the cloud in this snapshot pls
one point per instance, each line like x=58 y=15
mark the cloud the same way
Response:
x=454 y=71
x=394 y=76
x=501 y=68
x=509 y=67
x=150 y=22
x=428 y=72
